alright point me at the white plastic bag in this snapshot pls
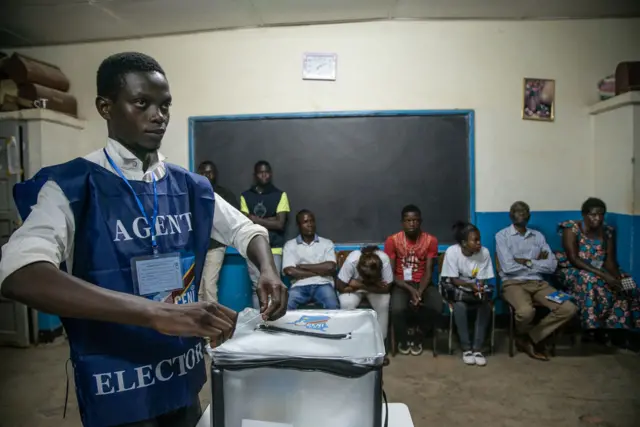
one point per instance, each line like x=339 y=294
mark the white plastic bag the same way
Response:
x=310 y=368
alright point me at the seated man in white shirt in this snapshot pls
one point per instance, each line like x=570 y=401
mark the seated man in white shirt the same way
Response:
x=310 y=263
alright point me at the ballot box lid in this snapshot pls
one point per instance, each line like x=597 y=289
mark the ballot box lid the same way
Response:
x=304 y=339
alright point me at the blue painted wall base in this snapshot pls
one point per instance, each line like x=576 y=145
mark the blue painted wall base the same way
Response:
x=48 y=322
x=234 y=286
x=49 y=327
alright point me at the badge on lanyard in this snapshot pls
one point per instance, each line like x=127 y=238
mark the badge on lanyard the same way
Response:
x=153 y=273
x=156 y=273
x=408 y=274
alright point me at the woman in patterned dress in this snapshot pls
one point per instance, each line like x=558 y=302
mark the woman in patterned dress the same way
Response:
x=589 y=269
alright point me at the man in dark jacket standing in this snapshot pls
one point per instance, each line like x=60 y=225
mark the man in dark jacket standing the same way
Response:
x=268 y=206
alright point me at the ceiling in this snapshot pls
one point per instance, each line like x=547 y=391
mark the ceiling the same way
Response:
x=45 y=22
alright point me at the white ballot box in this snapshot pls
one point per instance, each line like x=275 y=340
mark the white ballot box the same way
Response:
x=311 y=368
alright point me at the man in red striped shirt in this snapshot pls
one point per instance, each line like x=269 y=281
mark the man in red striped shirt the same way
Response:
x=415 y=301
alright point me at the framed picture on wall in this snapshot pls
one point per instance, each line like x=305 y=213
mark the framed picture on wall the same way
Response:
x=539 y=99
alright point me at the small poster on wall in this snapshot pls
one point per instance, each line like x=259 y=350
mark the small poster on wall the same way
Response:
x=539 y=99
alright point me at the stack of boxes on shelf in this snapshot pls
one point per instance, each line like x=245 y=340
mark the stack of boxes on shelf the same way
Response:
x=29 y=83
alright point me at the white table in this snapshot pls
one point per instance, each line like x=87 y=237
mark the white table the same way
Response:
x=399 y=416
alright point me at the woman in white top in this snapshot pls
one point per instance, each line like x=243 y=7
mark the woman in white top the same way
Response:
x=465 y=271
x=367 y=273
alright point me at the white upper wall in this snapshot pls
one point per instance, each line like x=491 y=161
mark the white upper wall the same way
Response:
x=477 y=65
x=613 y=154
x=616 y=138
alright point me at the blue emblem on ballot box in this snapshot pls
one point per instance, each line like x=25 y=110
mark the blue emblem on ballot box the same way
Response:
x=317 y=323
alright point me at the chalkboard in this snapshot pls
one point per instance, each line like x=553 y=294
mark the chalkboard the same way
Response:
x=355 y=173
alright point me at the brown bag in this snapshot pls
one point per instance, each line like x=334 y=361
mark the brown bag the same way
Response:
x=8 y=95
x=56 y=100
x=627 y=77
x=23 y=69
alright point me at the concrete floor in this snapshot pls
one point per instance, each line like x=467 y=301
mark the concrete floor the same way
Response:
x=441 y=392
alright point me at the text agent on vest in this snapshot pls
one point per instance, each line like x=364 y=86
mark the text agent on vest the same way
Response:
x=268 y=206
x=131 y=232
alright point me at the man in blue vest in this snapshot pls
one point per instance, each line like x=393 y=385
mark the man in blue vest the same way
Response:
x=268 y=206
x=132 y=233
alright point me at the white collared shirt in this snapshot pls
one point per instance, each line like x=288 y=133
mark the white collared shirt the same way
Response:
x=297 y=251
x=510 y=244
x=49 y=231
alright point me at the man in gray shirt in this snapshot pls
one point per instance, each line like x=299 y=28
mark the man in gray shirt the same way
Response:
x=524 y=256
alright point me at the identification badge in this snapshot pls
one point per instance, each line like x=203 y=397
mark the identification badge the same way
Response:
x=156 y=273
x=408 y=274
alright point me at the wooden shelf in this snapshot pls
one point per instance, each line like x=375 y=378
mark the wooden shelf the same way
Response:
x=44 y=115
x=624 y=99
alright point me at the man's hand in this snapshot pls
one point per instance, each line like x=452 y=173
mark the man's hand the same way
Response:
x=202 y=319
x=272 y=293
x=543 y=255
x=522 y=261
x=415 y=297
x=271 y=287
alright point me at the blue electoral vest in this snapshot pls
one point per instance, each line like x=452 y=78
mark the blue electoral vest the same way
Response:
x=126 y=373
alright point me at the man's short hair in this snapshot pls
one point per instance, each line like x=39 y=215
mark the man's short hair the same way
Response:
x=303 y=212
x=410 y=209
x=260 y=163
x=519 y=203
x=112 y=70
x=208 y=163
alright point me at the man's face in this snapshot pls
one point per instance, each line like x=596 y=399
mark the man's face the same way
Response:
x=411 y=223
x=263 y=175
x=139 y=116
x=307 y=225
x=208 y=172
x=519 y=214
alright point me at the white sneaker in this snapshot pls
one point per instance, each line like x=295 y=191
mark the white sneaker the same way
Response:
x=467 y=358
x=479 y=359
x=405 y=348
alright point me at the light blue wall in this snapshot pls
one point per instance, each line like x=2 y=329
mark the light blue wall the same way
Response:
x=235 y=287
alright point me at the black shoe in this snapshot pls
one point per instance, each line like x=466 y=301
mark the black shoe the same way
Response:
x=416 y=349
x=405 y=347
